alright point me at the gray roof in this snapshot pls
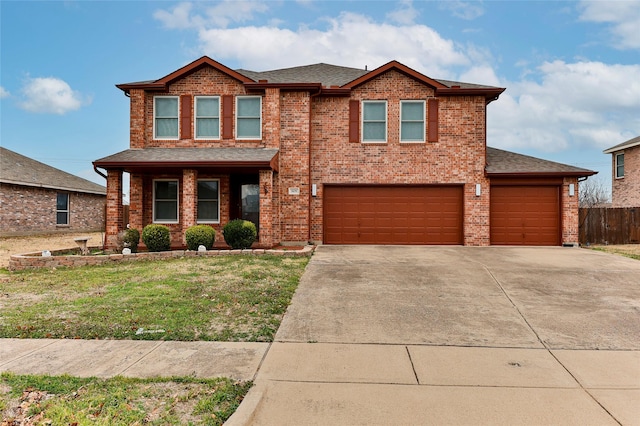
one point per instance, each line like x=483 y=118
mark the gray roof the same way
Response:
x=328 y=75
x=509 y=163
x=186 y=156
x=628 y=144
x=17 y=169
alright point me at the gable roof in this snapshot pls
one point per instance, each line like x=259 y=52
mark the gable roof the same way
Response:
x=624 y=145
x=337 y=79
x=17 y=169
x=502 y=163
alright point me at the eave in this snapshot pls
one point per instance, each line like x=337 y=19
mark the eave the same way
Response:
x=397 y=66
x=513 y=175
x=490 y=93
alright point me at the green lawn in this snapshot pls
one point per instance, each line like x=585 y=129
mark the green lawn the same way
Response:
x=225 y=298
x=66 y=400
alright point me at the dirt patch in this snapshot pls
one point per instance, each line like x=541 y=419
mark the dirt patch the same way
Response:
x=19 y=245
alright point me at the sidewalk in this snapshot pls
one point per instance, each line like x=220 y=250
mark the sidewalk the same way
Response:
x=131 y=358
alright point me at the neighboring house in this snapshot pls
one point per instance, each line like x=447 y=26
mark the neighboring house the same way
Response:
x=625 y=176
x=36 y=198
x=332 y=155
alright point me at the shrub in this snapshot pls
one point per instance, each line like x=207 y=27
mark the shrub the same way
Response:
x=200 y=235
x=131 y=238
x=239 y=234
x=156 y=237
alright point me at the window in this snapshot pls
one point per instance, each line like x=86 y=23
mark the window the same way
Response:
x=208 y=205
x=619 y=165
x=248 y=115
x=412 y=121
x=165 y=123
x=207 y=117
x=165 y=201
x=62 y=208
x=374 y=121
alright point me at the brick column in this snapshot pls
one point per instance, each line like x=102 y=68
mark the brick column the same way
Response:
x=570 y=211
x=136 y=206
x=114 y=207
x=188 y=212
x=266 y=208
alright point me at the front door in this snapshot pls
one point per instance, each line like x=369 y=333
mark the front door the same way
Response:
x=245 y=198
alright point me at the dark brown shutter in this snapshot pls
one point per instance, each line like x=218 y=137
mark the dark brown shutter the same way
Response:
x=354 y=121
x=185 y=117
x=227 y=117
x=433 y=120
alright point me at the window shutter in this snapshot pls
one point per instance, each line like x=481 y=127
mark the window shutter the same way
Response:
x=354 y=121
x=433 y=120
x=185 y=117
x=227 y=117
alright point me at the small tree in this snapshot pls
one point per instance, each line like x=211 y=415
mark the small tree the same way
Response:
x=593 y=192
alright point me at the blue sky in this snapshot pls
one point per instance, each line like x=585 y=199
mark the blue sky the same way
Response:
x=571 y=68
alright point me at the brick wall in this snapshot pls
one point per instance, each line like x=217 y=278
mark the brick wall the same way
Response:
x=626 y=191
x=28 y=210
x=458 y=157
x=569 y=211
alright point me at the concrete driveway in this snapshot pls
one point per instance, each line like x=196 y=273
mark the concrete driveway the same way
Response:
x=455 y=335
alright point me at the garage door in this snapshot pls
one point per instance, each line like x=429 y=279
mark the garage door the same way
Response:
x=525 y=215
x=392 y=215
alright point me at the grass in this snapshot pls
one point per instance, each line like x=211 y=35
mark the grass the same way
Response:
x=630 y=251
x=226 y=298
x=118 y=401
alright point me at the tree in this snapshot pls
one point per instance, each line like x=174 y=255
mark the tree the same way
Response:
x=593 y=192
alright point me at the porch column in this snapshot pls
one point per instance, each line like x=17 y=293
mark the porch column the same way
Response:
x=136 y=206
x=113 y=223
x=189 y=200
x=266 y=208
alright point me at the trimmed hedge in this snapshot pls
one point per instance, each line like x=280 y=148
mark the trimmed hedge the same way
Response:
x=156 y=237
x=200 y=235
x=240 y=234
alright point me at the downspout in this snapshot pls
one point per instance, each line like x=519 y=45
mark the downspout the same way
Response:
x=311 y=97
x=95 y=169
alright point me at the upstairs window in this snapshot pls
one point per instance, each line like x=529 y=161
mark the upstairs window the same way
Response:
x=165 y=117
x=619 y=165
x=165 y=201
x=208 y=204
x=374 y=121
x=412 y=121
x=207 y=117
x=248 y=117
x=62 y=208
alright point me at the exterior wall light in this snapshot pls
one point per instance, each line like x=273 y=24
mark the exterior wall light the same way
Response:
x=572 y=190
x=478 y=190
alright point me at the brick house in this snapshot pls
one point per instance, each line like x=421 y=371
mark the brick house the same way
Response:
x=332 y=155
x=38 y=199
x=625 y=173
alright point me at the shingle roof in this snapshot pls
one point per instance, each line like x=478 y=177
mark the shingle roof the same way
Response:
x=17 y=169
x=500 y=162
x=183 y=157
x=628 y=144
x=328 y=75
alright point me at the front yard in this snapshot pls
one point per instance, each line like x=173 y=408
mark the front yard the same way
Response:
x=222 y=298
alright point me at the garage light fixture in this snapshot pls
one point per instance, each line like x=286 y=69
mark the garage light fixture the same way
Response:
x=478 y=190
x=572 y=190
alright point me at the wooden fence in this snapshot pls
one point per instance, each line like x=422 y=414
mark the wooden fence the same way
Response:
x=602 y=225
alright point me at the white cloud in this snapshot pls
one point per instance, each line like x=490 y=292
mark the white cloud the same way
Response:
x=4 y=93
x=463 y=9
x=623 y=16
x=405 y=14
x=220 y=15
x=581 y=104
x=50 y=95
x=348 y=40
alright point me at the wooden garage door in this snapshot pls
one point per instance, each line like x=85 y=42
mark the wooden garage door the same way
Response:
x=392 y=214
x=525 y=215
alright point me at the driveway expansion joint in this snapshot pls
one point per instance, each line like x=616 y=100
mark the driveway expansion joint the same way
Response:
x=142 y=357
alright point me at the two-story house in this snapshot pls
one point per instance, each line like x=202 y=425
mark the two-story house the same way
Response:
x=332 y=155
x=625 y=176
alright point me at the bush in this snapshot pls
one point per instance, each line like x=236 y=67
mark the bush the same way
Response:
x=239 y=234
x=156 y=237
x=200 y=235
x=130 y=239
